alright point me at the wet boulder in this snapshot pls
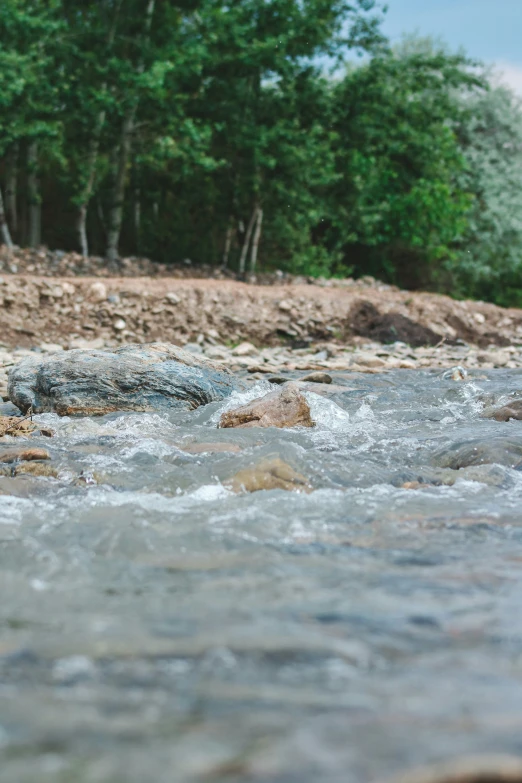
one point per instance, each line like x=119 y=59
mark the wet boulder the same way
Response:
x=150 y=377
x=286 y=407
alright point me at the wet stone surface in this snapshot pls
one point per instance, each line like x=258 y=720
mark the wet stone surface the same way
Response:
x=157 y=616
x=132 y=378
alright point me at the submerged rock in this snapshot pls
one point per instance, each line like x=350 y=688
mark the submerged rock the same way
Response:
x=286 y=407
x=210 y=448
x=41 y=469
x=23 y=455
x=513 y=410
x=270 y=473
x=151 y=377
x=471 y=769
x=481 y=451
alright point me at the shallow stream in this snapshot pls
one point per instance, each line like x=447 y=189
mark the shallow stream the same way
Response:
x=155 y=627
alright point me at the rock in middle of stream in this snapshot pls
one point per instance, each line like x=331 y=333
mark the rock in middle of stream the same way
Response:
x=151 y=377
x=286 y=407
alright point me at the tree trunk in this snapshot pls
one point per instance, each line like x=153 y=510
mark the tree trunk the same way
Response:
x=137 y=209
x=92 y=158
x=11 y=189
x=228 y=242
x=33 y=195
x=137 y=219
x=255 y=241
x=118 y=194
x=127 y=130
x=94 y=147
x=4 y=228
x=246 y=243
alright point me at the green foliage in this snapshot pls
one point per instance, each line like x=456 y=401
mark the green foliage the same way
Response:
x=407 y=166
x=488 y=262
x=397 y=208
x=29 y=94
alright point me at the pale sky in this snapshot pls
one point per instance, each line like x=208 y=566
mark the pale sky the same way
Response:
x=490 y=30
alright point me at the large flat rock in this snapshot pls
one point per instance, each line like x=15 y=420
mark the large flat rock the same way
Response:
x=151 y=377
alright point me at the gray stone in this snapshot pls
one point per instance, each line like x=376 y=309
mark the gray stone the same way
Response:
x=151 y=377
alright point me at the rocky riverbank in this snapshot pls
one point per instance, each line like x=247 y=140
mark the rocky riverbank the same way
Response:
x=265 y=330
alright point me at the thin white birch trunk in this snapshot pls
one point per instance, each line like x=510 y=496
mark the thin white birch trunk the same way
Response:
x=33 y=194
x=94 y=147
x=4 y=228
x=116 y=211
x=228 y=243
x=92 y=159
x=118 y=195
x=246 y=243
x=255 y=241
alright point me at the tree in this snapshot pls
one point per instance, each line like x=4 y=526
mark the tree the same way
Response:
x=29 y=102
x=488 y=264
x=398 y=207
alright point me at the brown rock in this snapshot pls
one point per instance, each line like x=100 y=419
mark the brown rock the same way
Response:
x=22 y=455
x=317 y=377
x=412 y=485
x=16 y=427
x=474 y=769
x=36 y=469
x=270 y=473
x=284 y=408
x=513 y=410
x=424 y=485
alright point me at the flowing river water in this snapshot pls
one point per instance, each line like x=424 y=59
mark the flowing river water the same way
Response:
x=156 y=627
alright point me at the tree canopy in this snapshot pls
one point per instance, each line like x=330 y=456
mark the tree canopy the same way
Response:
x=245 y=134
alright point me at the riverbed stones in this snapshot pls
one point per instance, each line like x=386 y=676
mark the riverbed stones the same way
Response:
x=481 y=451
x=97 y=292
x=39 y=469
x=151 y=377
x=270 y=473
x=210 y=448
x=16 y=427
x=245 y=349
x=471 y=769
x=317 y=377
x=512 y=410
x=23 y=455
x=286 y=407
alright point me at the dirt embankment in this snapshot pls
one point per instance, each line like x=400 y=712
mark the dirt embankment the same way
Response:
x=116 y=310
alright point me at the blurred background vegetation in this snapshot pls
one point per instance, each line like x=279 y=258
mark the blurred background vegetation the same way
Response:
x=245 y=133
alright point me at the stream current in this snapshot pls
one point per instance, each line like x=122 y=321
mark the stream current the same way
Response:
x=155 y=627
